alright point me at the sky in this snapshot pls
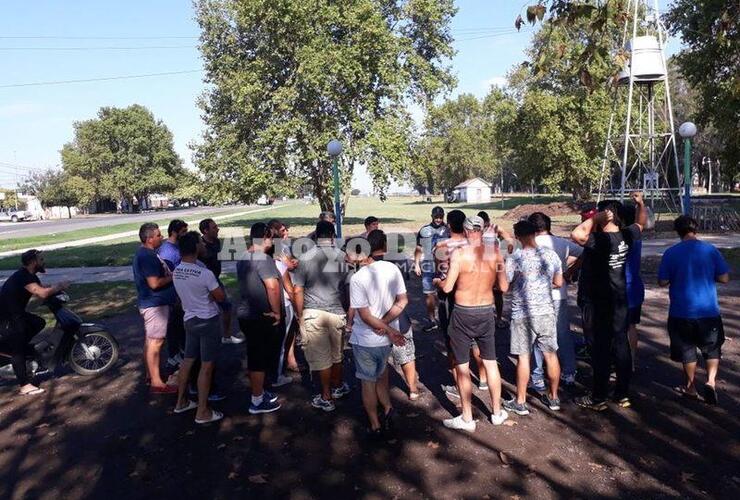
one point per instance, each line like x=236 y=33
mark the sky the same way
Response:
x=59 y=41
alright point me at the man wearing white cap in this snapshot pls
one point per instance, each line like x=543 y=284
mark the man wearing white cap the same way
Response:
x=472 y=273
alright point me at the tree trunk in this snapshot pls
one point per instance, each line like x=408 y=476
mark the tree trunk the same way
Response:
x=69 y=212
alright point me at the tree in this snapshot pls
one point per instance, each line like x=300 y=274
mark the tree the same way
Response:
x=710 y=62
x=564 y=103
x=58 y=188
x=462 y=140
x=9 y=199
x=287 y=76
x=123 y=153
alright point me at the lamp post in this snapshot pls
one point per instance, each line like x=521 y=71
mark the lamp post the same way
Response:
x=334 y=148
x=687 y=130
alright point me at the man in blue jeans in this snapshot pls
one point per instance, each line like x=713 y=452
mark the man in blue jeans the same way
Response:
x=691 y=269
x=378 y=294
x=568 y=252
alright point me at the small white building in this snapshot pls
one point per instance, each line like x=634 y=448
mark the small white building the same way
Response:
x=474 y=190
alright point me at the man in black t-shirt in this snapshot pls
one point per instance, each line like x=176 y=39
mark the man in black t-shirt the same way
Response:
x=209 y=231
x=608 y=242
x=21 y=325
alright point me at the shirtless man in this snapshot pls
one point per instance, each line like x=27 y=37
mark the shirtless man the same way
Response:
x=472 y=274
x=442 y=251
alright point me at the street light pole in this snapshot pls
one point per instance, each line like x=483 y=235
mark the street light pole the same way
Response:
x=334 y=148
x=687 y=130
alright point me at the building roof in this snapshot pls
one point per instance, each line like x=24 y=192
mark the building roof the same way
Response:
x=471 y=182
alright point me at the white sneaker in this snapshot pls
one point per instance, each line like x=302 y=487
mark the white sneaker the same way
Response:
x=232 y=340
x=500 y=418
x=459 y=423
x=282 y=380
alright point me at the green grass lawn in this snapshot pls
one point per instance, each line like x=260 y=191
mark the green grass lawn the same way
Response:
x=81 y=234
x=94 y=301
x=397 y=214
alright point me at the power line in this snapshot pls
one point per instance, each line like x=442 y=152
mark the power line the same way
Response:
x=145 y=47
x=495 y=35
x=52 y=37
x=462 y=31
x=102 y=79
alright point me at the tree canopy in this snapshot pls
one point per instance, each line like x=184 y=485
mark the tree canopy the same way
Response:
x=462 y=139
x=122 y=154
x=286 y=76
x=710 y=62
x=59 y=188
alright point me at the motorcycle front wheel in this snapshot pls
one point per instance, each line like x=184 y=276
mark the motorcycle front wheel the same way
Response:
x=94 y=353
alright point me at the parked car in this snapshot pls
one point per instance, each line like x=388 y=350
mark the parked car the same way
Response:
x=13 y=215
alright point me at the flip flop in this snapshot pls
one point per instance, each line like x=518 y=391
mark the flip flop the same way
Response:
x=710 y=395
x=215 y=417
x=191 y=405
x=683 y=392
x=33 y=392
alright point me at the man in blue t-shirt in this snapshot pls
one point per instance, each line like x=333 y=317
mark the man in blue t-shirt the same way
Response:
x=156 y=295
x=169 y=252
x=691 y=269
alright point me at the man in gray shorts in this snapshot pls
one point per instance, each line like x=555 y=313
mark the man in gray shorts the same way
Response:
x=199 y=292
x=533 y=272
x=472 y=273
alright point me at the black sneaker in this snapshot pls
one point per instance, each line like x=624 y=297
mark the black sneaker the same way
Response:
x=518 y=408
x=710 y=395
x=590 y=403
x=386 y=420
x=552 y=404
x=583 y=354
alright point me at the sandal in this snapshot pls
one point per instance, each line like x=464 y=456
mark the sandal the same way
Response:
x=215 y=417
x=710 y=395
x=191 y=405
x=685 y=392
x=413 y=396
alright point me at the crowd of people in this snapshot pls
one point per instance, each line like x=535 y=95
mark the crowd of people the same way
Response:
x=326 y=296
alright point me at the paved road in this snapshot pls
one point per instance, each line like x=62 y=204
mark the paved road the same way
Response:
x=650 y=248
x=192 y=221
x=23 y=229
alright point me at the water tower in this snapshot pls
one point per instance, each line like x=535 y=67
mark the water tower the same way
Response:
x=640 y=150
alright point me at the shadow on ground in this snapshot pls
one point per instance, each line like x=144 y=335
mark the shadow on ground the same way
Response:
x=106 y=437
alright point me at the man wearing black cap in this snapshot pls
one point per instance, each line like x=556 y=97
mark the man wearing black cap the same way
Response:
x=428 y=236
x=22 y=325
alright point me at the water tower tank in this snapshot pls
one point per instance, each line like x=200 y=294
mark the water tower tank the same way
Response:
x=646 y=61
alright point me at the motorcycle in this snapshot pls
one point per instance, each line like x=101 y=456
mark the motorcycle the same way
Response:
x=88 y=348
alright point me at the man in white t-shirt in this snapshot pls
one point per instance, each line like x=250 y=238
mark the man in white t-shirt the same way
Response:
x=568 y=252
x=199 y=292
x=378 y=294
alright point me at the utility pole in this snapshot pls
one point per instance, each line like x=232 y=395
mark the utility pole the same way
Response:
x=15 y=167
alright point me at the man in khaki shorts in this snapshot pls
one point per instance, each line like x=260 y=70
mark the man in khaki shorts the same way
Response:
x=319 y=283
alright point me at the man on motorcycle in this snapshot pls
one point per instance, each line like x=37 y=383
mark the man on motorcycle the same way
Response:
x=21 y=326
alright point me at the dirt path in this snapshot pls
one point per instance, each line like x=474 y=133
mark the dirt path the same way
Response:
x=106 y=438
